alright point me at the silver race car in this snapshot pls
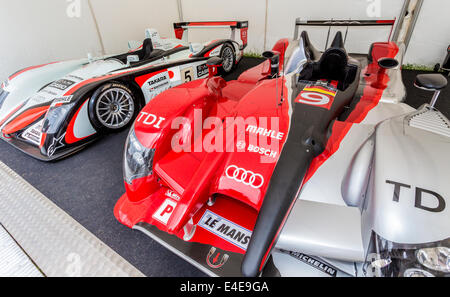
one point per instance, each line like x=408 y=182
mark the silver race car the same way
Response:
x=374 y=202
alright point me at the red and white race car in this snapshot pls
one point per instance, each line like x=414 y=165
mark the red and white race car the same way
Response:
x=53 y=110
x=309 y=164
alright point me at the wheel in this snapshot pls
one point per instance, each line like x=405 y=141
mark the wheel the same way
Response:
x=228 y=57
x=437 y=67
x=446 y=72
x=112 y=107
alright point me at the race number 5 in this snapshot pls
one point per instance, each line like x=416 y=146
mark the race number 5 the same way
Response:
x=187 y=75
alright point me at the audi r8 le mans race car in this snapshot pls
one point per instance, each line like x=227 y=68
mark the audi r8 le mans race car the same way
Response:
x=309 y=164
x=51 y=111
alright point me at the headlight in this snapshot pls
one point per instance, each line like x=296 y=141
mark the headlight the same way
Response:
x=4 y=84
x=390 y=259
x=437 y=259
x=3 y=95
x=414 y=272
x=138 y=160
x=56 y=116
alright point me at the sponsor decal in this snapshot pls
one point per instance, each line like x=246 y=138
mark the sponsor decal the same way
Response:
x=419 y=197
x=38 y=99
x=56 y=144
x=150 y=120
x=156 y=84
x=75 y=77
x=173 y=195
x=49 y=92
x=202 y=70
x=158 y=80
x=34 y=133
x=244 y=176
x=215 y=260
x=62 y=100
x=262 y=151
x=317 y=95
x=62 y=84
x=265 y=132
x=165 y=211
x=325 y=268
x=225 y=229
x=241 y=145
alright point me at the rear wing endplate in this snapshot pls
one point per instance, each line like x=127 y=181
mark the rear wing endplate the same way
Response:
x=181 y=29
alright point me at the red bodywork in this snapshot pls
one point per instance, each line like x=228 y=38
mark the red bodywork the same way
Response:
x=174 y=198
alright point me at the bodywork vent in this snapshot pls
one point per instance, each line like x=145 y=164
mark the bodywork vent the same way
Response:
x=432 y=121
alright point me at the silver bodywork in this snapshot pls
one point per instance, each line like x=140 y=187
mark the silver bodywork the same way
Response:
x=349 y=197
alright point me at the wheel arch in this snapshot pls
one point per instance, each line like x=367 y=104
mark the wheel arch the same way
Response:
x=127 y=82
x=135 y=89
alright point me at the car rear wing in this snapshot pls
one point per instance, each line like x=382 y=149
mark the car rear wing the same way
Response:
x=342 y=23
x=181 y=29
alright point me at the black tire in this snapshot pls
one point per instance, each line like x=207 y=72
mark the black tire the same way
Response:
x=229 y=58
x=113 y=107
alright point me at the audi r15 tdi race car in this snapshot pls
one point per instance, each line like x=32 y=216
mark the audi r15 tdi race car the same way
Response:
x=53 y=110
x=309 y=164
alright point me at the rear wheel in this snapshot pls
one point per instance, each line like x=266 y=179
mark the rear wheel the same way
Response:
x=112 y=107
x=228 y=57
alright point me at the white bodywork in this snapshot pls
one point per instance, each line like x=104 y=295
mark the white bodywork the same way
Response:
x=50 y=83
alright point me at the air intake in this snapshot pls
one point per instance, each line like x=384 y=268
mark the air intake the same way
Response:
x=432 y=121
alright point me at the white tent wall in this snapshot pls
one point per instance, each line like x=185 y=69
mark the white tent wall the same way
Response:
x=120 y=21
x=36 y=32
x=431 y=35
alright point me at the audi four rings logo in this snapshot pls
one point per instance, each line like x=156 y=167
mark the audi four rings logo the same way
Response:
x=244 y=176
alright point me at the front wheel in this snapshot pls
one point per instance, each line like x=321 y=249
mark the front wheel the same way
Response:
x=112 y=107
x=228 y=57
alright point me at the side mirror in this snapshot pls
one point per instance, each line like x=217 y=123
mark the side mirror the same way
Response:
x=274 y=58
x=384 y=64
x=388 y=63
x=213 y=65
x=132 y=59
